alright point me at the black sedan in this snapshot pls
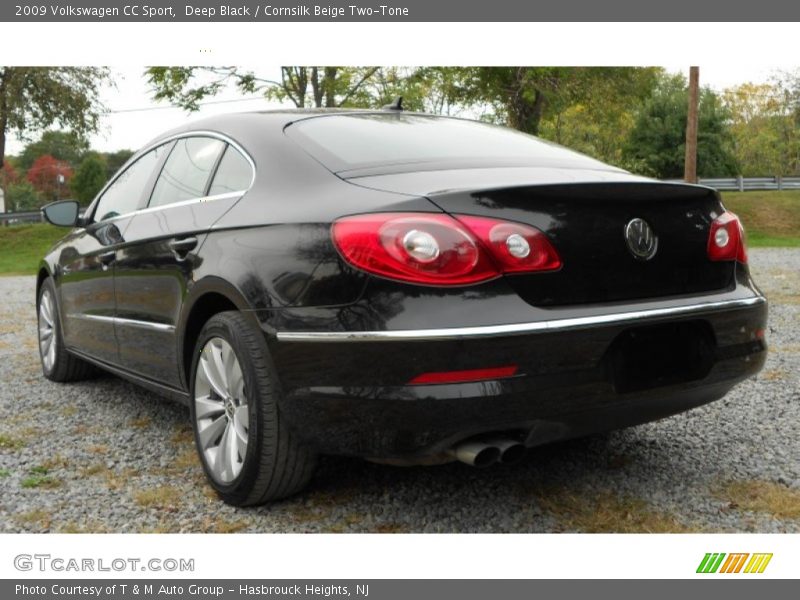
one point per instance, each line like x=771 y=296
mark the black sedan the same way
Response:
x=401 y=287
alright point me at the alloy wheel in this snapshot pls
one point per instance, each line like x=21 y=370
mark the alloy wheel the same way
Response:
x=47 y=330
x=221 y=410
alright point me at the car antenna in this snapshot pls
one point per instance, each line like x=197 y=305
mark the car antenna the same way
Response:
x=396 y=104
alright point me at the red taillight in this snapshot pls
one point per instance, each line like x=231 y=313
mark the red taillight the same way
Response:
x=437 y=249
x=464 y=376
x=726 y=239
x=516 y=248
x=421 y=248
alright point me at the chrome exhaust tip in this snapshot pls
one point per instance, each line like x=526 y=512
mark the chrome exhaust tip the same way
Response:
x=511 y=451
x=476 y=454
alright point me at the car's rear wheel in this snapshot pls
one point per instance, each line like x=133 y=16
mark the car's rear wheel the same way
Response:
x=57 y=364
x=249 y=454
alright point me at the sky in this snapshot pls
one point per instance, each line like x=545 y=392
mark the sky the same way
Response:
x=135 y=118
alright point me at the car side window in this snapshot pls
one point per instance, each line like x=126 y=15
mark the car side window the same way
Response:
x=234 y=173
x=125 y=193
x=187 y=170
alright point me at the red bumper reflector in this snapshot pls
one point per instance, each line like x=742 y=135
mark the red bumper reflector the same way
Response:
x=464 y=376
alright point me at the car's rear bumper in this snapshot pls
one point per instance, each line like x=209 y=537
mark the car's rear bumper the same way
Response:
x=348 y=392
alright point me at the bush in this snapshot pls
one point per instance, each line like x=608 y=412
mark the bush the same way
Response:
x=22 y=196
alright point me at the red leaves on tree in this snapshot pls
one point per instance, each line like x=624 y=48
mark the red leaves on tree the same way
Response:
x=50 y=177
x=8 y=175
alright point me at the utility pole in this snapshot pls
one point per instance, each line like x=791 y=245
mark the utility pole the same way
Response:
x=690 y=163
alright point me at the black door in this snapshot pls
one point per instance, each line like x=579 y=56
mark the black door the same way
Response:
x=86 y=265
x=155 y=266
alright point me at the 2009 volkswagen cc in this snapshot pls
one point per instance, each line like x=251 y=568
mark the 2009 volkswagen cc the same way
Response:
x=400 y=287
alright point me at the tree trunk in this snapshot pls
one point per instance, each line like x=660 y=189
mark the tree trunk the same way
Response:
x=330 y=86
x=524 y=115
x=315 y=87
x=3 y=117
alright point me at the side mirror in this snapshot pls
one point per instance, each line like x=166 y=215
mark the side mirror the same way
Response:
x=63 y=213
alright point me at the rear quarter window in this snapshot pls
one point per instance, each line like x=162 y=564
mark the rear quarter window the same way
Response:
x=234 y=173
x=187 y=170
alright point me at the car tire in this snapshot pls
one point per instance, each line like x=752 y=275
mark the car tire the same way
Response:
x=261 y=459
x=57 y=363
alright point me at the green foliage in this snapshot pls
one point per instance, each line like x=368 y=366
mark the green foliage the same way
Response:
x=598 y=112
x=89 y=179
x=765 y=125
x=537 y=100
x=65 y=146
x=22 y=196
x=34 y=98
x=658 y=137
x=303 y=86
x=115 y=160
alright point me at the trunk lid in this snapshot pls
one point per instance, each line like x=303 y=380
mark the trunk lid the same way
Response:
x=587 y=223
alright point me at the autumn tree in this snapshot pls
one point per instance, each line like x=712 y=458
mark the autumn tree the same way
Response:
x=49 y=176
x=8 y=175
x=34 y=98
x=66 y=146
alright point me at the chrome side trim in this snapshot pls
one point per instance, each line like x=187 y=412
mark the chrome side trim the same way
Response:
x=128 y=322
x=515 y=328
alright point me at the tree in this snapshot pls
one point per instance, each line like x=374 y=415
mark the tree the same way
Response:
x=8 y=175
x=66 y=146
x=303 y=86
x=657 y=140
x=22 y=196
x=89 y=179
x=50 y=177
x=525 y=97
x=115 y=160
x=436 y=90
x=34 y=98
x=762 y=124
x=598 y=118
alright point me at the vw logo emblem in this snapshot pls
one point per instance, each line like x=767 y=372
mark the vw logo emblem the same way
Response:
x=641 y=240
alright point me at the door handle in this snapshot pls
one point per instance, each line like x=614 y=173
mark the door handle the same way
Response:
x=108 y=257
x=183 y=245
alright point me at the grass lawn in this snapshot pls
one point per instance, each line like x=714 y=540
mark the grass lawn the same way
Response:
x=770 y=218
x=23 y=246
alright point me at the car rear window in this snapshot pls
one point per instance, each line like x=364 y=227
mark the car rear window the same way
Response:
x=363 y=141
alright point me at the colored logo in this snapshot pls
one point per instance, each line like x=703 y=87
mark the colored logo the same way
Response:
x=742 y=562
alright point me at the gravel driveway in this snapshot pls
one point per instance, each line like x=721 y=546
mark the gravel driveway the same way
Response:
x=106 y=456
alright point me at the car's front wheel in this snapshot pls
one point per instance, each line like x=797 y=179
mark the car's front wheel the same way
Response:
x=248 y=452
x=57 y=364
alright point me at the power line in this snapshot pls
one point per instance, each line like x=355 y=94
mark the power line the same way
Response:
x=172 y=107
